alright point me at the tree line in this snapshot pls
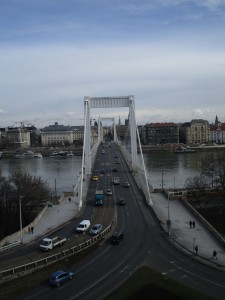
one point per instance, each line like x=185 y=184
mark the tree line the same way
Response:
x=209 y=186
x=21 y=190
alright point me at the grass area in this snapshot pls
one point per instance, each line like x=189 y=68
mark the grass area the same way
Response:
x=10 y=290
x=145 y=283
x=148 y=284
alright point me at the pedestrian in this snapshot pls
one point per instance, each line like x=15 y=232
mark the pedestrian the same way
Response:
x=193 y=223
x=69 y=199
x=214 y=254
x=32 y=229
x=196 y=249
x=190 y=223
x=29 y=229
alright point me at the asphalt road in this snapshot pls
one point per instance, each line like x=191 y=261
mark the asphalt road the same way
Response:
x=144 y=244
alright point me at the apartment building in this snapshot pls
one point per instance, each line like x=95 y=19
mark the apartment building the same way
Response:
x=195 y=132
x=217 y=133
x=159 y=133
x=18 y=137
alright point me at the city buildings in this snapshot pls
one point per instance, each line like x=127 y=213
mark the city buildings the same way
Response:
x=195 y=132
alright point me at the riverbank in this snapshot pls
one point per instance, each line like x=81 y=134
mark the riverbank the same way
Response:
x=46 y=152
x=171 y=147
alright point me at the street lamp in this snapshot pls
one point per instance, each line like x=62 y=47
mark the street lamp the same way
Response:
x=162 y=181
x=194 y=239
x=168 y=217
x=21 y=224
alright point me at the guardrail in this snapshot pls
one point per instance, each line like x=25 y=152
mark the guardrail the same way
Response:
x=19 y=271
x=9 y=246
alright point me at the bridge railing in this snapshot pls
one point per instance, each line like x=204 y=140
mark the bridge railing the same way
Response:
x=22 y=270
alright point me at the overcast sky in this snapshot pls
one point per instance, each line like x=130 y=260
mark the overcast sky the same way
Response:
x=169 y=54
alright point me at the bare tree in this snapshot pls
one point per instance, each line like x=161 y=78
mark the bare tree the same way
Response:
x=34 y=193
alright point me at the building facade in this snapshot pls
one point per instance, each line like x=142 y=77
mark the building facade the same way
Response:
x=159 y=133
x=217 y=133
x=60 y=135
x=195 y=132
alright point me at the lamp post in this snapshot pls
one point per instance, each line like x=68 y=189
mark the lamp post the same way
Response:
x=194 y=239
x=21 y=223
x=162 y=180
x=168 y=217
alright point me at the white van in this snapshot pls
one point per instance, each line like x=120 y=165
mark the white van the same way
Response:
x=116 y=180
x=83 y=226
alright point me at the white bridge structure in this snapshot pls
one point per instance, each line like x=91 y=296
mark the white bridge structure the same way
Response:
x=128 y=147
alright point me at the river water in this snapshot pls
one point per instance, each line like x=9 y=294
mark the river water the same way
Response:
x=60 y=174
x=163 y=168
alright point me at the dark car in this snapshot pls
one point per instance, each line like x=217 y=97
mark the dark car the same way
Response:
x=117 y=237
x=126 y=184
x=60 y=277
x=114 y=169
x=122 y=202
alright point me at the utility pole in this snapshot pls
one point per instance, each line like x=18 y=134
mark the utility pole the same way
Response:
x=21 y=223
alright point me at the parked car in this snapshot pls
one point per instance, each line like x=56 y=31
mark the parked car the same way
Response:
x=122 y=202
x=60 y=277
x=95 y=178
x=109 y=192
x=117 y=237
x=126 y=184
x=96 y=229
x=114 y=169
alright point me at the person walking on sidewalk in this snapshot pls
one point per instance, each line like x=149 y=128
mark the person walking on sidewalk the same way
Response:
x=193 y=223
x=32 y=229
x=190 y=223
x=214 y=254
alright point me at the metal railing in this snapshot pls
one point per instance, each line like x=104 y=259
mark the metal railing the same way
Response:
x=19 y=271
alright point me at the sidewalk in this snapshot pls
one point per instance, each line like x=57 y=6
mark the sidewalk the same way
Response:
x=53 y=217
x=181 y=232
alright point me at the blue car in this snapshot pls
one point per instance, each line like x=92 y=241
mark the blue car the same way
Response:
x=60 y=277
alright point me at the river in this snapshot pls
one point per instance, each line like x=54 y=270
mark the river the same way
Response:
x=60 y=174
x=163 y=168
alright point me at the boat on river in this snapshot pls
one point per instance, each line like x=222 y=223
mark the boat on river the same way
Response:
x=61 y=154
x=28 y=154
x=184 y=150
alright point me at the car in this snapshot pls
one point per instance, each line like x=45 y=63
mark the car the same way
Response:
x=122 y=202
x=102 y=171
x=59 y=277
x=126 y=184
x=109 y=192
x=114 y=169
x=117 y=237
x=96 y=229
x=117 y=162
x=83 y=226
x=116 y=180
x=116 y=156
x=95 y=178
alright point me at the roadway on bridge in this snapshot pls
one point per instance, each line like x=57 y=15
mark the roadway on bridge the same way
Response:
x=144 y=248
